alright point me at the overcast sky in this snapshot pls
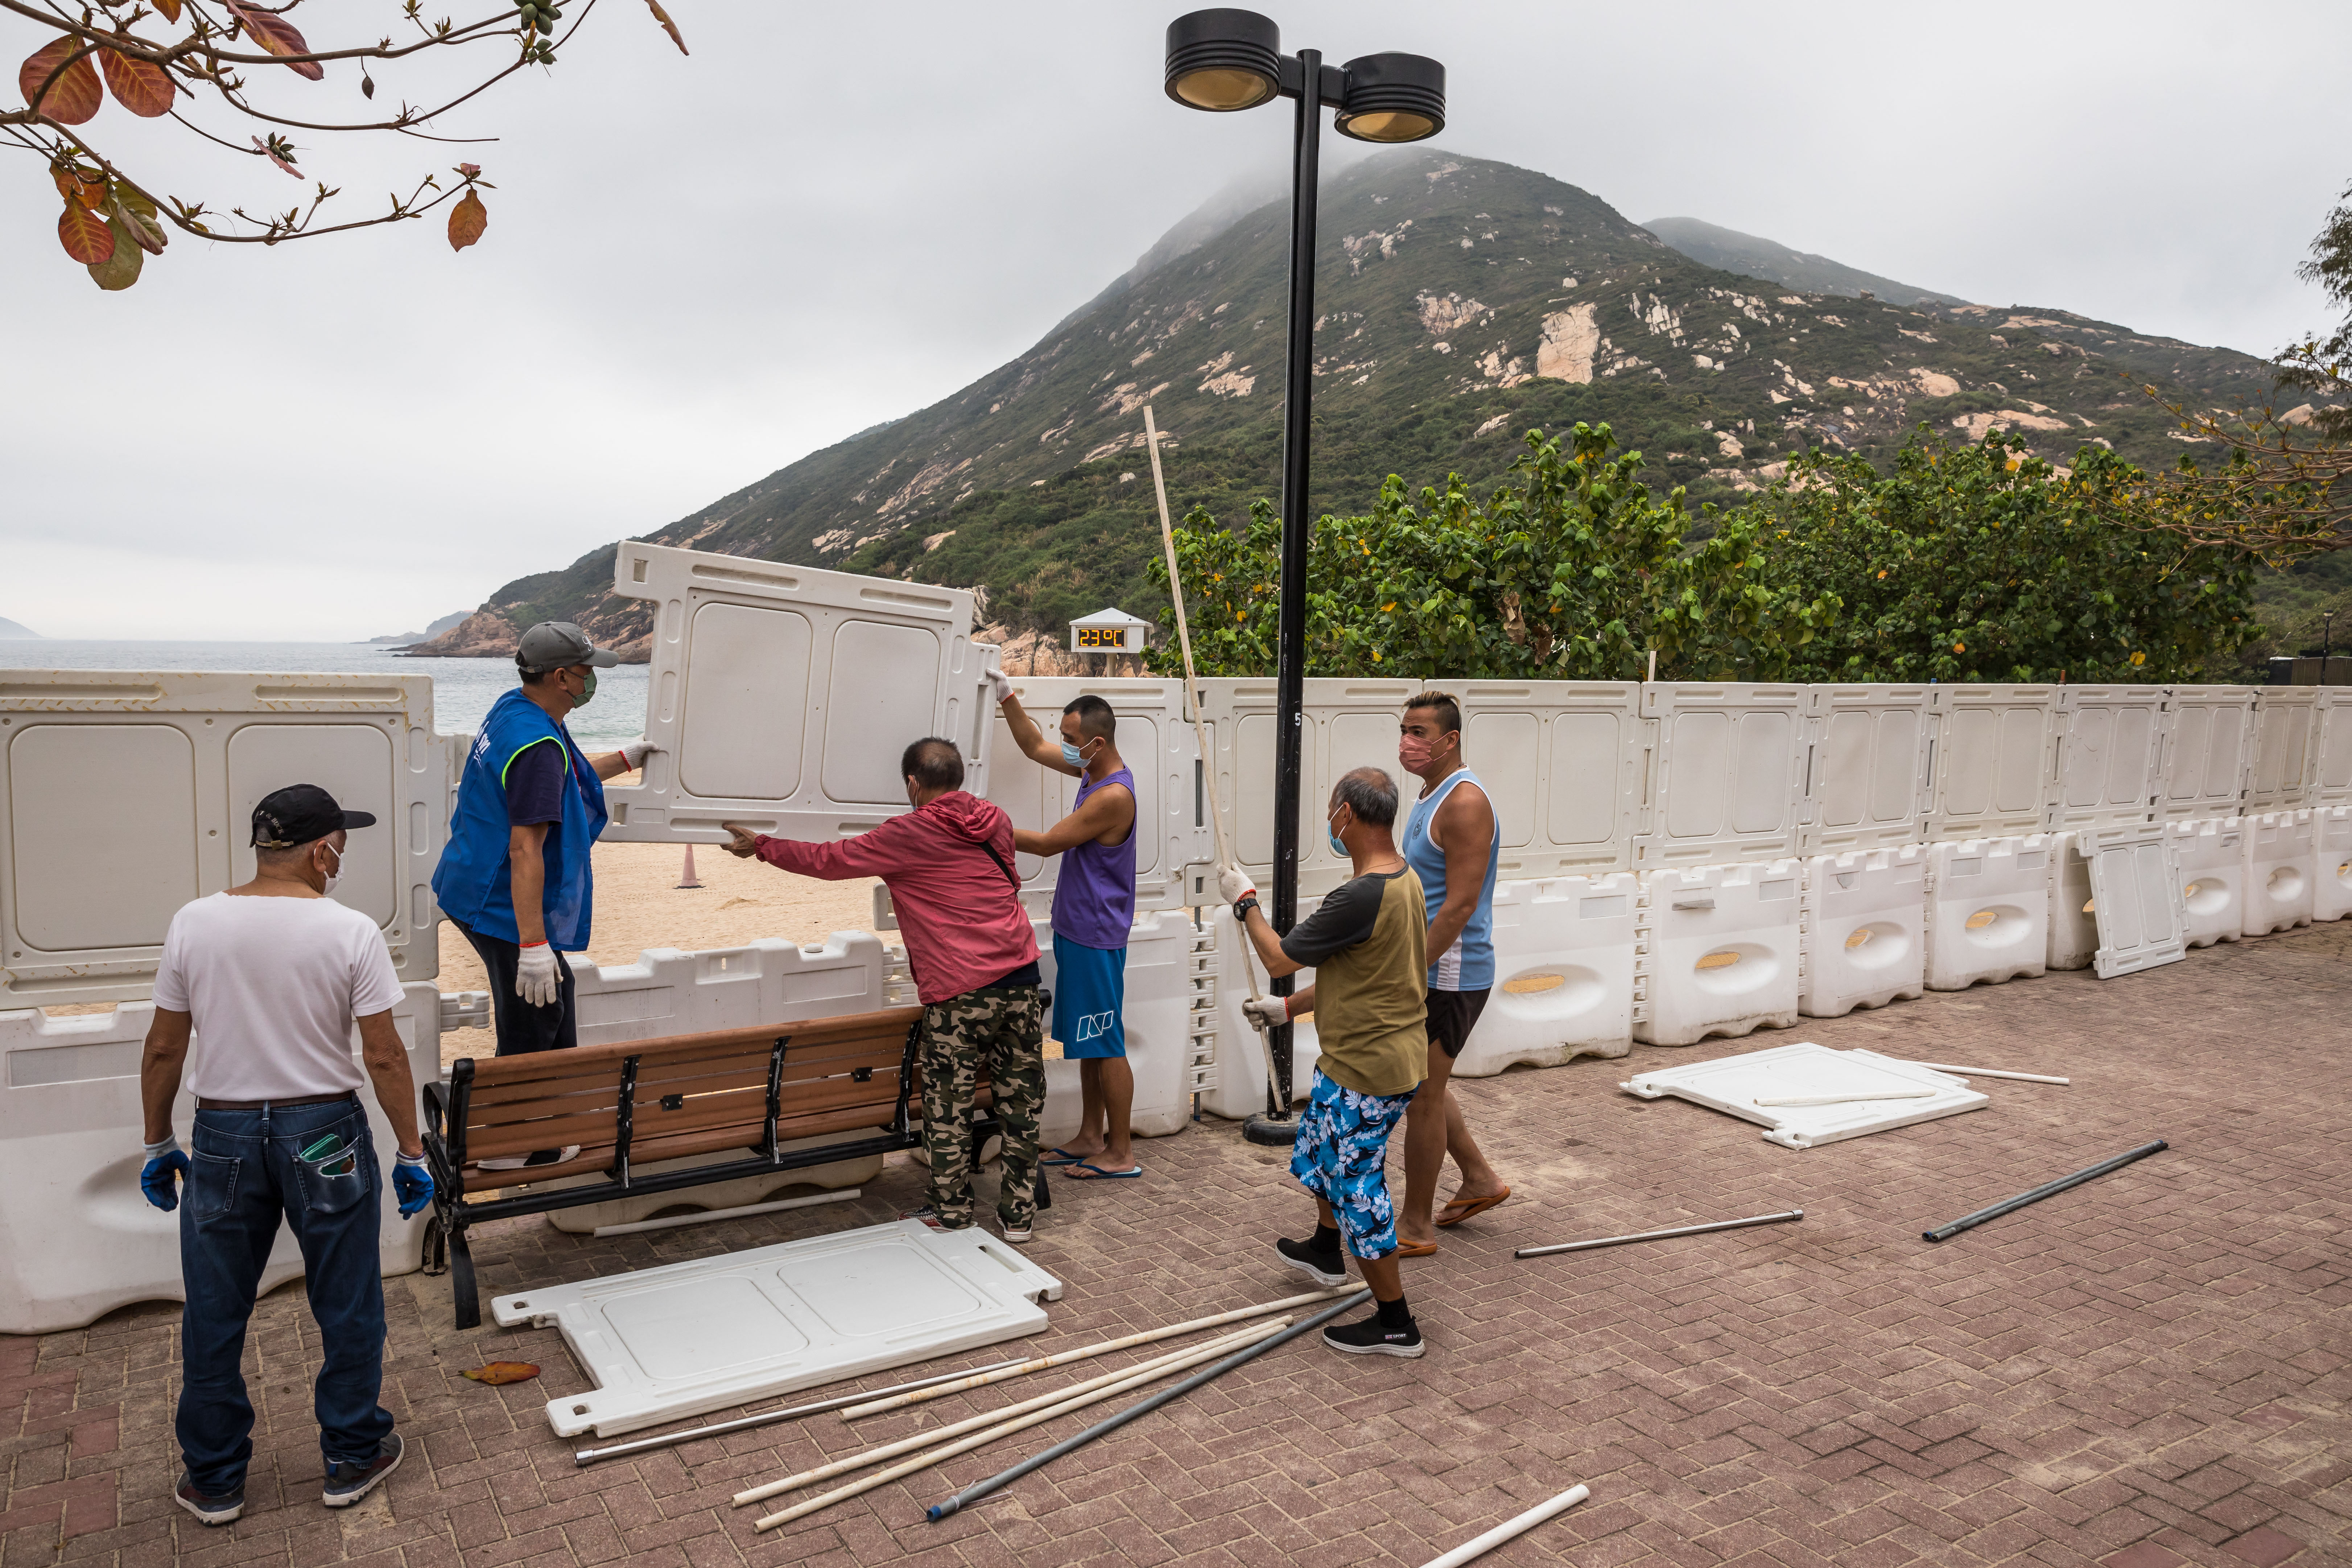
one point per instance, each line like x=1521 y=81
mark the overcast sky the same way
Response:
x=698 y=269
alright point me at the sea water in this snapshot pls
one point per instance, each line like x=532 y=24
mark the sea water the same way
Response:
x=463 y=689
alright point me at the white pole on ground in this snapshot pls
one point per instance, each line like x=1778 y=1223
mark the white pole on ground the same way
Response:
x=1992 y=1072
x=1512 y=1528
x=1192 y=703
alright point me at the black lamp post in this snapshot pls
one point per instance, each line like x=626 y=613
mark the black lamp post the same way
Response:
x=1223 y=60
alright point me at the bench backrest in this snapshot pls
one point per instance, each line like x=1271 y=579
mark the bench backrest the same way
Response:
x=683 y=1094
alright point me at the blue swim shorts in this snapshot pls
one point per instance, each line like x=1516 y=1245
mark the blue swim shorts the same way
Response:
x=1090 y=1000
x=1340 y=1154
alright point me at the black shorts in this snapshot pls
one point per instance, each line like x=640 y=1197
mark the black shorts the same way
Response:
x=1452 y=1016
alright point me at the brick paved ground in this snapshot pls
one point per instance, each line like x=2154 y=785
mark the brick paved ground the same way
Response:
x=2147 y=1369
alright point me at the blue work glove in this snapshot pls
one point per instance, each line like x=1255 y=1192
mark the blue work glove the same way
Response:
x=167 y=1168
x=411 y=1183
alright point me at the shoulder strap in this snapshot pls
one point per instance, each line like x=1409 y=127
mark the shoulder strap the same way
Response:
x=1010 y=875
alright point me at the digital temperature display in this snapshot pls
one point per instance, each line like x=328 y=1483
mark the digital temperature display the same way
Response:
x=1110 y=638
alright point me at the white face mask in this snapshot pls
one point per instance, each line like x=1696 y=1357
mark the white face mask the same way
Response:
x=337 y=876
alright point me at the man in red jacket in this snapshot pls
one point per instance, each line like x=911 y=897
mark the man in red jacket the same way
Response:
x=948 y=865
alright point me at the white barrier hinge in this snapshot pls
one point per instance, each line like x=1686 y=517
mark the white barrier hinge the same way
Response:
x=464 y=1010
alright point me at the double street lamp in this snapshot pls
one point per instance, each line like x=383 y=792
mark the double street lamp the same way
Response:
x=1221 y=61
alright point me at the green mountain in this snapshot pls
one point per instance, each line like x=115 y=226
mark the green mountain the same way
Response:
x=1729 y=250
x=1460 y=302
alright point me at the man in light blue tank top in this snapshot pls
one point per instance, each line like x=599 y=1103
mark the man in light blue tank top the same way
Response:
x=1094 y=908
x=1454 y=845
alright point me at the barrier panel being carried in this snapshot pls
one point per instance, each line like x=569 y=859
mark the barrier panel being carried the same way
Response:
x=1721 y=954
x=2109 y=757
x=1865 y=778
x=2331 y=892
x=2135 y=883
x=2284 y=754
x=2074 y=941
x=2211 y=857
x=1725 y=773
x=1154 y=738
x=78 y=1238
x=1992 y=760
x=1563 y=974
x=1987 y=910
x=781 y=696
x=2209 y=745
x=2279 y=860
x=1864 y=926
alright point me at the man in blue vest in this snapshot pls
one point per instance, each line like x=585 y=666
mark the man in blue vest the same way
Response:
x=515 y=877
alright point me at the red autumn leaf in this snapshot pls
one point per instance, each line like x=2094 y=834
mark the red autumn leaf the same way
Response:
x=271 y=154
x=499 y=1372
x=143 y=87
x=85 y=235
x=171 y=9
x=467 y=221
x=277 y=36
x=81 y=185
x=668 y=26
x=75 y=96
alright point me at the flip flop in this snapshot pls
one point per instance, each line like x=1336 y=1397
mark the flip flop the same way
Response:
x=1130 y=1174
x=1063 y=1157
x=1468 y=1207
x=1414 y=1248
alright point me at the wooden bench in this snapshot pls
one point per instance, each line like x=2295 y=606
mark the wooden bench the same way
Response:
x=737 y=1095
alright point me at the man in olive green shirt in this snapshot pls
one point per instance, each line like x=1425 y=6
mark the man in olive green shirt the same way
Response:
x=1366 y=944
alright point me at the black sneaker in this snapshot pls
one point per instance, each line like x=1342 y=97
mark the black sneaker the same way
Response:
x=349 y=1481
x=1323 y=1268
x=1369 y=1338
x=211 y=1510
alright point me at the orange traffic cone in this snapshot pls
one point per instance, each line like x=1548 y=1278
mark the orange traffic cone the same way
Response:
x=687 y=879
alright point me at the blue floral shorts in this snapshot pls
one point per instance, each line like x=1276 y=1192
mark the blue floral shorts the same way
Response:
x=1340 y=1154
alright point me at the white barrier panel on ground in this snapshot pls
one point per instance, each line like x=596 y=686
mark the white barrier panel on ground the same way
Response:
x=2284 y=753
x=2074 y=941
x=2136 y=883
x=2280 y=859
x=2332 y=774
x=1992 y=760
x=2210 y=855
x=1720 y=952
x=2108 y=760
x=1156 y=741
x=125 y=794
x=77 y=1239
x=782 y=696
x=2209 y=745
x=1559 y=760
x=1160 y=987
x=1987 y=910
x=1865 y=780
x=1725 y=773
x=1865 y=931
x=1563 y=974
x=2331 y=832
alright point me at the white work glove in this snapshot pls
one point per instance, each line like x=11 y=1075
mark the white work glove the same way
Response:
x=999 y=684
x=1267 y=1011
x=537 y=981
x=1234 y=884
x=635 y=752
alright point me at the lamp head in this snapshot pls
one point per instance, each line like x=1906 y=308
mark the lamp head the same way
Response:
x=1392 y=98
x=1223 y=60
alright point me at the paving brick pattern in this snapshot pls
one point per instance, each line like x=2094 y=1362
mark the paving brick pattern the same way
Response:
x=2148 y=1370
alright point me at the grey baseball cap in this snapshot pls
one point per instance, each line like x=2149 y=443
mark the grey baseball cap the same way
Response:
x=555 y=644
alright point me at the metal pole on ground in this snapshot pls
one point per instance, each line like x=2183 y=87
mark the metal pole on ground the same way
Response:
x=2047 y=1189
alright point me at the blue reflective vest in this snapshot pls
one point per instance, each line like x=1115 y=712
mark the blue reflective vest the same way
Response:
x=472 y=881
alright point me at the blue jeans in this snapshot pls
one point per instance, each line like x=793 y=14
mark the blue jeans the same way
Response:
x=246 y=1174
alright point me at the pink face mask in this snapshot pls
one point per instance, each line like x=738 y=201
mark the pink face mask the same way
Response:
x=1413 y=752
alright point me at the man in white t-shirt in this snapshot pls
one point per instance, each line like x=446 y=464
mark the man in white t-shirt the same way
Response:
x=267 y=980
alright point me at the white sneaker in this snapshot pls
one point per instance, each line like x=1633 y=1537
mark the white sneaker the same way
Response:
x=524 y=1161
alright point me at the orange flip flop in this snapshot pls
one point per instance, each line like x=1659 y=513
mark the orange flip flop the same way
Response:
x=1415 y=1248
x=1456 y=1210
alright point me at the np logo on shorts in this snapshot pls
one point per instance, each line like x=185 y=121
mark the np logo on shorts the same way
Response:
x=1095 y=1026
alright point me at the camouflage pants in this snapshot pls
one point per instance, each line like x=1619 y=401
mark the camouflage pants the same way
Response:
x=999 y=1035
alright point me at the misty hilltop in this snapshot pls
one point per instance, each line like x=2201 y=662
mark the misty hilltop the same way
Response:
x=1460 y=303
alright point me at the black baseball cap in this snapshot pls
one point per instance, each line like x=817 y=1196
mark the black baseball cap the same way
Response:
x=298 y=814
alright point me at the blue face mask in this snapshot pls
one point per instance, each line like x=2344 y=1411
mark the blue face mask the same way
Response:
x=1073 y=755
x=1333 y=839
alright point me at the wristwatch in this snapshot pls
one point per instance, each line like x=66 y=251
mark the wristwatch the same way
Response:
x=1241 y=907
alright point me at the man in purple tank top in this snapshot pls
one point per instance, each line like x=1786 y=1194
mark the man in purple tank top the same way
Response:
x=1094 y=906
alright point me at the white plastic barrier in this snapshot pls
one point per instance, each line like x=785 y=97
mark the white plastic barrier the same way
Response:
x=1563 y=974
x=2284 y=753
x=782 y=696
x=1993 y=760
x=1158 y=1019
x=2331 y=832
x=2209 y=745
x=2108 y=761
x=2136 y=881
x=1240 y=1078
x=1865 y=779
x=1720 y=954
x=1987 y=910
x=2332 y=774
x=77 y=1239
x=1865 y=925
x=2211 y=857
x=1725 y=773
x=2074 y=941
x=2280 y=861
x=125 y=794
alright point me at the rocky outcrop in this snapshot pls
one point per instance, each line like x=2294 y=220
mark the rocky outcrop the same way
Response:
x=1042 y=653
x=485 y=634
